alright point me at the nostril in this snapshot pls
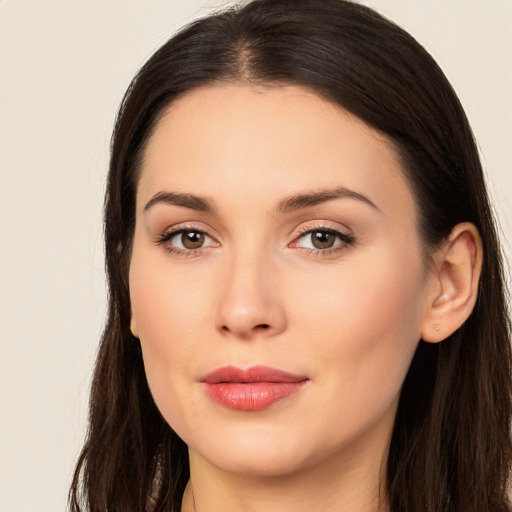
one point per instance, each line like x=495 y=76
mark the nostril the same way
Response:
x=257 y=327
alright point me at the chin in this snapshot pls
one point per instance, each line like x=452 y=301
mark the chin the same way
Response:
x=257 y=463
x=259 y=454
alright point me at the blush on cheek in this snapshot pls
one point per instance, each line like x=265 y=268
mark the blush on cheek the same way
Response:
x=375 y=327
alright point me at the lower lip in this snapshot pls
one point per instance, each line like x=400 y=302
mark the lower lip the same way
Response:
x=251 y=396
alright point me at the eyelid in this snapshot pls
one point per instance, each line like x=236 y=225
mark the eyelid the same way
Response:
x=168 y=234
x=345 y=236
x=322 y=226
x=184 y=226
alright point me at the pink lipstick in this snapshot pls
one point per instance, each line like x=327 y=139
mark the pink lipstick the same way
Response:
x=251 y=389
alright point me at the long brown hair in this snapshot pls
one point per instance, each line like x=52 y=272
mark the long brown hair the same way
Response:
x=451 y=449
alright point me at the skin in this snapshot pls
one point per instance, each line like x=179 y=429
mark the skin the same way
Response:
x=258 y=292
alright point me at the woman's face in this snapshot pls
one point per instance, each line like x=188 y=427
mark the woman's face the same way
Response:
x=277 y=282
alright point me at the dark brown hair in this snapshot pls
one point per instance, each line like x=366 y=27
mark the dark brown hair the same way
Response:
x=451 y=449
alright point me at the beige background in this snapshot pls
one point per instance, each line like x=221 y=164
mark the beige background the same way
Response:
x=64 y=66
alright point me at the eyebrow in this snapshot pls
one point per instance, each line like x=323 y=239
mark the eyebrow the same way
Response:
x=289 y=204
x=191 y=201
x=306 y=200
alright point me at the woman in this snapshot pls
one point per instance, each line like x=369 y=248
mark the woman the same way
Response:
x=306 y=296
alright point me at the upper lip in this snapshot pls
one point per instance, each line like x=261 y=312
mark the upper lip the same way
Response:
x=253 y=374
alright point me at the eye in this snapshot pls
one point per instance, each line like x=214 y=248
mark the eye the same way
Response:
x=186 y=240
x=322 y=240
x=189 y=239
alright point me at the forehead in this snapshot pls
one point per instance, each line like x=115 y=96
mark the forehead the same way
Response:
x=268 y=142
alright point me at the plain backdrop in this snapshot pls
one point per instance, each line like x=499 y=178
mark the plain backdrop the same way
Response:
x=64 y=66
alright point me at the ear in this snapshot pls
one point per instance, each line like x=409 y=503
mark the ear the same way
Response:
x=453 y=286
x=133 y=325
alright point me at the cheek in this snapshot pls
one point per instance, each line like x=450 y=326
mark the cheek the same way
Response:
x=168 y=314
x=167 y=305
x=168 y=324
x=366 y=327
x=380 y=293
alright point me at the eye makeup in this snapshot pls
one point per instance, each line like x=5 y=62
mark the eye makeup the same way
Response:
x=189 y=240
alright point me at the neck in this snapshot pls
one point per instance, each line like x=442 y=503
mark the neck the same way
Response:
x=345 y=482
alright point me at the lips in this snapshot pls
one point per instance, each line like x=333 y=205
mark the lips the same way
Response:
x=251 y=389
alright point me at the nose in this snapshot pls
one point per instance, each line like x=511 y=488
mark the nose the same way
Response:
x=250 y=303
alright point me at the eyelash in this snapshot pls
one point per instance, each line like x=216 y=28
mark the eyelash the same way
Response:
x=167 y=236
x=344 y=238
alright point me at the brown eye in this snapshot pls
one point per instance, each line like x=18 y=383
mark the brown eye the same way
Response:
x=192 y=239
x=187 y=241
x=323 y=239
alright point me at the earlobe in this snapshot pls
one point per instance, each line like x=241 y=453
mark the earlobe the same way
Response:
x=133 y=325
x=455 y=277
